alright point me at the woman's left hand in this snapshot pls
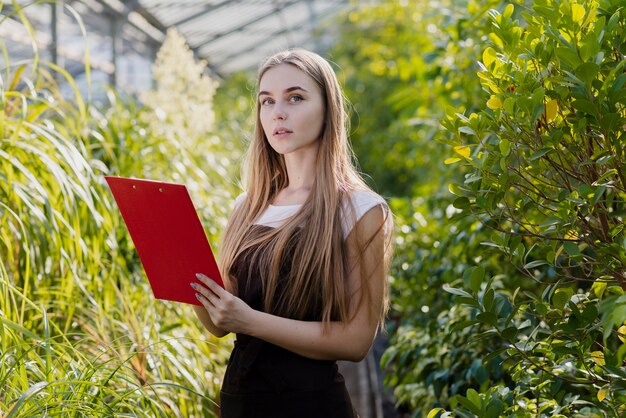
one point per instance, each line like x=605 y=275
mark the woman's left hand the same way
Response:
x=227 y=311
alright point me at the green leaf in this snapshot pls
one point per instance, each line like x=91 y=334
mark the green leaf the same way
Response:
x=509 y=105
x=616 y=230
x=551 y=220
x=474 y=398
x=590 y=314
x=16 y=407
x=461 y=203
x=539 y=153
x=488 y=299
x=455 y=291
x=571 y=248
x=476 y=278
x=611 y=121
x=494 y=354
x=568 y=56
x=456 y=189
x=462 y=325
x=488 y=318
x=468 y=404
x=597 y=194
x=604 y=158
x=509 y=333
x=505 y=147
x=467 y=130
x=541 y=309
x=526 y=104
x=561 y=297
x=598 y=287
x=495 y=407
x=618 y=84
x=434 y=412
x=587 y=72
x=585 y=106
x=467 y=301
x=534 y=264
x=610 y=27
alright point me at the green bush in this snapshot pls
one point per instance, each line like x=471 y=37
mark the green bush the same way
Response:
x=547 y=178
x=80 y=332
x=508 y=293
x=403 y=66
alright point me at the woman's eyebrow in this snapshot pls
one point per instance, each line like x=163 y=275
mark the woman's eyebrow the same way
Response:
x=287 y=90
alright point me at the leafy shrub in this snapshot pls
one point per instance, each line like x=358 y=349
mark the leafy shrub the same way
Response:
x=508 y=294
x=80 y=333
x=546 y=177
x=403 y=66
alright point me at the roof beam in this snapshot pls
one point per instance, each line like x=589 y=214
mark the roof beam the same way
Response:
x=149 y=26
x=242 y=26
x=130 y=6
x=207 y=9
x=265 y=39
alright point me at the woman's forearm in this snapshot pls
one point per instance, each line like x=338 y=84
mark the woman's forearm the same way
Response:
x=340 y=341
x=350 y=340
x=205 y=318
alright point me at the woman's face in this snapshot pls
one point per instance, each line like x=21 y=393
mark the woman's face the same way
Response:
x=291 y=110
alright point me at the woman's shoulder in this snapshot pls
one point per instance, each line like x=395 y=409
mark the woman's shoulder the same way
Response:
x=356 y=204
x=365 y=198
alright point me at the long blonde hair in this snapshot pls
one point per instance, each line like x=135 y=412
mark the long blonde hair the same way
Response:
x=319 y=272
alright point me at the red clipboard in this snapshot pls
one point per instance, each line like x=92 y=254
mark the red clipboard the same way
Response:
x=167 y=233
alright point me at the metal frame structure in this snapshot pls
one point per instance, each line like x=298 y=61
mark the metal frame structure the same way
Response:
x=230 y=35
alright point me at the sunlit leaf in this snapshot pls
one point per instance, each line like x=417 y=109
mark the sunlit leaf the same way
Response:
x=578 y=12
x=508 y=11
x=433 y=412
x=494 y=102
x=602 y=394
x=463 y=150
x=552 y=108
x=597 y=357
x=621 y=333
x=489 y=57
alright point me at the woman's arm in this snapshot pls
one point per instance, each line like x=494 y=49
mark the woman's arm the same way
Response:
x=340 y=341
x=205 y=318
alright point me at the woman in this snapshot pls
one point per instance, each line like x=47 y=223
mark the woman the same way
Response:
x=305 y=252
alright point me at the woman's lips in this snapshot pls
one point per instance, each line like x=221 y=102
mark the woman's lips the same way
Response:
x=282 y=132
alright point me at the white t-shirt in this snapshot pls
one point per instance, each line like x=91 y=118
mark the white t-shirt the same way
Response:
x=274 y=216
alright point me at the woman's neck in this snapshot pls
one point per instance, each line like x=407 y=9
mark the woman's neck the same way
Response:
x=301 y=169
x=301 y=175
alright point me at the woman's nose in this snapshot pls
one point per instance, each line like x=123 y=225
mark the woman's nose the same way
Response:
x=279 y=113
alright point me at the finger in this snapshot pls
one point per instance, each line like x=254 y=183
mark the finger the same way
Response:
x=210 y=283
x=206 y=302
x=202 y=290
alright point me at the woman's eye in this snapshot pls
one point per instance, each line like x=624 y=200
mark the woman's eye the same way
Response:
x=296 y=99
x=266 y=101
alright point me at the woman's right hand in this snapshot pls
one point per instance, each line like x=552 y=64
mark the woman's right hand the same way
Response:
x=226 y=311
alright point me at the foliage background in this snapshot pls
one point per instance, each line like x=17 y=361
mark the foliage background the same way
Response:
x=496 y=130
x=78 y=333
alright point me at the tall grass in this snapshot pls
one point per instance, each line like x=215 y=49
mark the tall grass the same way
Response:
x=80 y=333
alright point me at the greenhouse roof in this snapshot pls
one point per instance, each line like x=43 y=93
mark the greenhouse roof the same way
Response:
x=236 y=34
x=124 y=36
